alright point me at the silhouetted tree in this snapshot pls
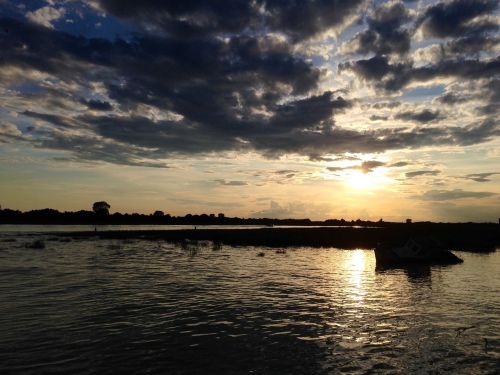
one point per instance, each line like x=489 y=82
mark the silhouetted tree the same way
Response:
x=101 y=208
x=158 y=213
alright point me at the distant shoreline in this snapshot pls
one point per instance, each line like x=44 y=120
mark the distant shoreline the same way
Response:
x=50 y=216
x=464 y=237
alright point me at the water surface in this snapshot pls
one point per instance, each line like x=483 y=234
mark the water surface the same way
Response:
x=135 y=306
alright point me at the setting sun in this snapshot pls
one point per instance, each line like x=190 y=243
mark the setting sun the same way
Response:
x=359 y=180
x=365 y=181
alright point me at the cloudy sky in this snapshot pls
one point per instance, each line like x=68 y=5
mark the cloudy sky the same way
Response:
x=263 y=108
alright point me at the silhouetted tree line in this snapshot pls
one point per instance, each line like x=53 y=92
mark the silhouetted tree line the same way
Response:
x=100 y=215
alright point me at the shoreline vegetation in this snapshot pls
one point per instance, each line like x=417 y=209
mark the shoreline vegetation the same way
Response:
x=473 y=237
x=480 y=238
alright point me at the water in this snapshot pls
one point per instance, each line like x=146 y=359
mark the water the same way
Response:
x=135 y=306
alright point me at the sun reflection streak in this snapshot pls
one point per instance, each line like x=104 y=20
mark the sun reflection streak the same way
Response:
x=356 y=264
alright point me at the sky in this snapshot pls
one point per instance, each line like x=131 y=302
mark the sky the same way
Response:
x=265 y=108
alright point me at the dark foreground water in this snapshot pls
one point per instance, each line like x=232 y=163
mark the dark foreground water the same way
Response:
x=96 y=306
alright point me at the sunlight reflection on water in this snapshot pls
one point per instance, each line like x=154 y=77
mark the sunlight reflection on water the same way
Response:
x=140 y=306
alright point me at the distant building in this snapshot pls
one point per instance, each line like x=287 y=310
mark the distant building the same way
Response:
x=408 y=221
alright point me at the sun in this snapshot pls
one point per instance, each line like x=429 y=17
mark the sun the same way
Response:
x=360 y=181
x=366 y=181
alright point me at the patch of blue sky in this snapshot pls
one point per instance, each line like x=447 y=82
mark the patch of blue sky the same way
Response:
x=422 y=92
x=26 y=88
x=23 y=123
x=79 y=19
x=82 y=20
x=17 y=9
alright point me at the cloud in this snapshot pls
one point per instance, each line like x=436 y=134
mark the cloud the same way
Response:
x=458 y=17
x=299 y=20
x=399 y=164
x=98 y=105
x=285 y=171
x=421 y=173
x=490 y=95
x=393 y=76
x=465 y=21
x=390 y=105
x=45 y=16
x=365 y=167
x=384 y=34
x=9 y=132
x=378 y=118
x=480 y=177
x=370 y=165
x=451 y=98
x=231 y=183
x=203 y=78
x=423 y=117
x=140 y=137
x=444 y=195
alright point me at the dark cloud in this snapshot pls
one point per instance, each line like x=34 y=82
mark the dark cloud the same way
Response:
x=90 y=148
x=461 y=20
x=220 y=89
x=133 y=138
x=393 y=76
x=389 y=105
x=398 y=164
x=421 y=173
x=378 y=118
x=286 y=172
x=192 y=18
x=346 y=157
x=471 y=44
x=491 y=95
x=371 y=69
x=227 y=85
x=444 y=195
x=98 y=105
x=370 y=165
x=317 y=157
x=481 y=177
x=453 y=98
x=384 y=34
x=422 y=117
x=303 y=19
x=456 y=18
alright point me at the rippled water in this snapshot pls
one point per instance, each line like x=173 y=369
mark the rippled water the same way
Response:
x=97 y=306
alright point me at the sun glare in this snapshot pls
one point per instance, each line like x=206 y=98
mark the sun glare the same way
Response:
x=359 y=180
